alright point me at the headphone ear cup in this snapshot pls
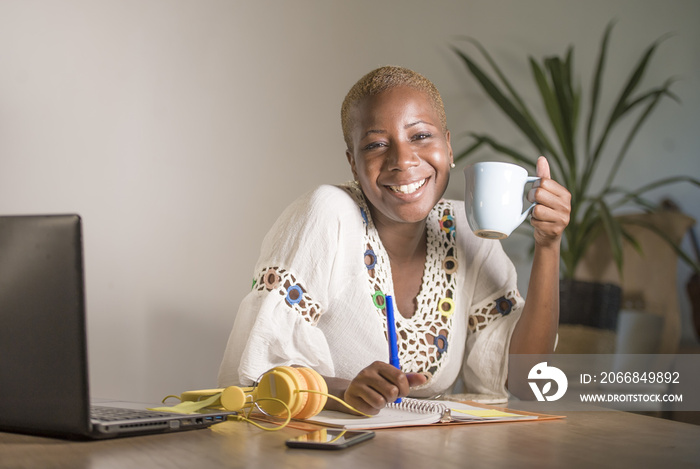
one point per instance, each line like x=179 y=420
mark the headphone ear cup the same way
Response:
x=281 y=383
x=275 y=385
x=300 y=399
x=316 y=401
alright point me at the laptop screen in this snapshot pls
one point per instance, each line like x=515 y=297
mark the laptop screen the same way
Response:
x=43 y=351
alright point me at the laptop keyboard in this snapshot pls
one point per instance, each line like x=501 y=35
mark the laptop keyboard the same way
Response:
x=112 y=414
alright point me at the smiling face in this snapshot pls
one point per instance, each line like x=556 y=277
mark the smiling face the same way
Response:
x=400 y=154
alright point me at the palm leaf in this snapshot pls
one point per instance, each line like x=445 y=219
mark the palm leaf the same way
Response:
x=653 y=96
x=482 y=139
x=591 y=214
x=635 y=195
x=552 y=108
x=520 y=104
x=566 y=108
x=669 y=241
x=621 y=108
x=596 y=86
x=469 y=150
x=612 y=229
x=514 y=113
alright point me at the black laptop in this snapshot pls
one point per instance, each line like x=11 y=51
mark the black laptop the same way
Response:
x=43 y=346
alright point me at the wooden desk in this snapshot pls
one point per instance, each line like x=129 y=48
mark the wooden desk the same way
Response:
x=584 y=439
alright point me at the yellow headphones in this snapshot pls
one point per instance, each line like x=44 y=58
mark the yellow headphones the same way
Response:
x=284 y=391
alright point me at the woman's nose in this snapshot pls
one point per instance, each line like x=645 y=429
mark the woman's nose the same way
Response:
x=402 y=157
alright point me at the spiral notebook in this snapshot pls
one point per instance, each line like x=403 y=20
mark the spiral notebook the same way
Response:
x=418 y=412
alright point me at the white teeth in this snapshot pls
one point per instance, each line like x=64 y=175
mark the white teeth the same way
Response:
x=408 y=188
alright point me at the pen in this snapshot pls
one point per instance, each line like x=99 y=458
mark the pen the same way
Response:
x=391 y=332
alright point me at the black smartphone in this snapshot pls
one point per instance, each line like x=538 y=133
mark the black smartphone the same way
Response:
x=328 y=438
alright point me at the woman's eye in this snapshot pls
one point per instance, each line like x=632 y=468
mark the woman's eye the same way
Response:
x=422 y=136
x=373 y=145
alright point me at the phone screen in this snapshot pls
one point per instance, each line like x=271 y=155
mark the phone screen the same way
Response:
x=328 y=438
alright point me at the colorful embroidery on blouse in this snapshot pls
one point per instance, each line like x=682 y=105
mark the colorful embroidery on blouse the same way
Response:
x=286 y=285
x=496 y=309
x=423 y=338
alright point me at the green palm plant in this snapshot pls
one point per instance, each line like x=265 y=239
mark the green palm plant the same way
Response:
x=576 y=168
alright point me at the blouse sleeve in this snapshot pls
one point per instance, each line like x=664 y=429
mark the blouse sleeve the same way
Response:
x=495 y=309
x=276 y=322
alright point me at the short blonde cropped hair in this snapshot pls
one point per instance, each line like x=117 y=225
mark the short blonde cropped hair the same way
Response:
x=383 y=79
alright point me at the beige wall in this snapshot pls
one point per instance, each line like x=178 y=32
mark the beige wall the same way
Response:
x=179 y=130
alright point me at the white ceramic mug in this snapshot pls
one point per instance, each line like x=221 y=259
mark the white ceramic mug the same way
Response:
x=494 y=198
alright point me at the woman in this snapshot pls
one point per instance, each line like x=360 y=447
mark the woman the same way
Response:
x=329 y=261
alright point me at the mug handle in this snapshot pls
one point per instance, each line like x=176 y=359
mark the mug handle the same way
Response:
x=529 y=209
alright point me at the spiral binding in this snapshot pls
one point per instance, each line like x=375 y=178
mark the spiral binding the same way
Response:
x=423 y=407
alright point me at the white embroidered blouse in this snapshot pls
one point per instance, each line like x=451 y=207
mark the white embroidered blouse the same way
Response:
x=318 y=299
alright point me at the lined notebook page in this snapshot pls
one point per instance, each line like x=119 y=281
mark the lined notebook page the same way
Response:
x=415 y=412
